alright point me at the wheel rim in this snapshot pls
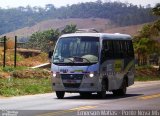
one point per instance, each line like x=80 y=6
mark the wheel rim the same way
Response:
x=124 y=89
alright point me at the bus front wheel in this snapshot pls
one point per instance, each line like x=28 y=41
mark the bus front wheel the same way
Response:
x=60 y=94
x=102 y=93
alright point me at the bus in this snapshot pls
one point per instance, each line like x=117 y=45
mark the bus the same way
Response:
x=90 y=62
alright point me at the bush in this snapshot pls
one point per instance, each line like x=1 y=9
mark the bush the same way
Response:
x=10 y=44
x=8 y=69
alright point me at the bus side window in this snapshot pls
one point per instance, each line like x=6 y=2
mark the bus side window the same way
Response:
x=107 y=50
x=117 y=49
x=127 y=47
x=131 y=51
x=121 y=49
x=126 y=50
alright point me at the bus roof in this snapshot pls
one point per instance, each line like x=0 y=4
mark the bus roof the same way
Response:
x=100 y=35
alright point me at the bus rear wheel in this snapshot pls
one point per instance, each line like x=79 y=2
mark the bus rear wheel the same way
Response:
x=122 y=91
x=60 y=94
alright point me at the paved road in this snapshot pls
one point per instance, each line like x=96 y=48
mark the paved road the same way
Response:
x=142 y=96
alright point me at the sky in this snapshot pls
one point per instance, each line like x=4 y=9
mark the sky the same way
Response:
x=59 y=3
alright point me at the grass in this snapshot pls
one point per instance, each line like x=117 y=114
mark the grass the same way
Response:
x=146 y=78
x=29 y=86
x=29 y=82
x=11 y=68
x=146 y=73
x=144 y=67
x=23 y=81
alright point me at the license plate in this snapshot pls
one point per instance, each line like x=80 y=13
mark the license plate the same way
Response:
x=69 y=81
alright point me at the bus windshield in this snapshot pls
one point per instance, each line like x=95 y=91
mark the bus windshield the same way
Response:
x=77 y=50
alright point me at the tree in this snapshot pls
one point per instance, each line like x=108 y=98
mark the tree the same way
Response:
x=156 y=10
x=69 y=29
x=145 y=31
x=156 y=26
x=146 y=41
x=45 y=40
x=141 y=50
x=42 y=40
x=155 y=29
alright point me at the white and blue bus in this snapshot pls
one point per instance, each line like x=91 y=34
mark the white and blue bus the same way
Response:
x=89 y=63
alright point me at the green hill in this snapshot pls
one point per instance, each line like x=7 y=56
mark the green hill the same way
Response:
x=118 y=13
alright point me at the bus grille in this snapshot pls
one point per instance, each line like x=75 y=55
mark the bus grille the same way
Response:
x=68 y=80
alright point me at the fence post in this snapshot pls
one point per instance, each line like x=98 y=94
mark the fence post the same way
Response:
x=15 y=52
x=4 y=55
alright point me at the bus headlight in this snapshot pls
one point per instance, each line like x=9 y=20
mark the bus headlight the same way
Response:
x=54 y=74
x=91 y=75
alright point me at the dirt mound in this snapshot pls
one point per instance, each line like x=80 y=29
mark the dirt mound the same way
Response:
x=4 y=75
x=30 y=73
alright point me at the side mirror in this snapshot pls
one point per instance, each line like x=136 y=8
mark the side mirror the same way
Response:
x=50 y=54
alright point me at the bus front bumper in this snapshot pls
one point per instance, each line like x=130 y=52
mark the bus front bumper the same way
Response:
x=87 y=85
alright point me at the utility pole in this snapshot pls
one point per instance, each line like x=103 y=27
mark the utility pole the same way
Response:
x=15 y=52
x=4 y=55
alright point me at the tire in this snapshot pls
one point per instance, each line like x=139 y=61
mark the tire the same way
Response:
x=122 y=91
x=60 y=94
x=85 y=94
x=102 y=93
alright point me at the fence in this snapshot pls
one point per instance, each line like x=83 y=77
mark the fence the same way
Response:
x=3 y=43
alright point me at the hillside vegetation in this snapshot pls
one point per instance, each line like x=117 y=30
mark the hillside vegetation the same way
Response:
x=103 y=25
x=122 y=14
x=131 y=30
x=99 y=24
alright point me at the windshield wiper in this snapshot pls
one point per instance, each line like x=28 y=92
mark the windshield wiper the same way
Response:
x=81 y=58
x=70 y=60
x=62 y=60
x=74 y=59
